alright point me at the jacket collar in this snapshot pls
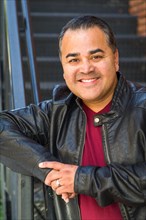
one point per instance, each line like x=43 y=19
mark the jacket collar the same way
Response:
x=119 y=102
x=121 y=94
x=63 y=96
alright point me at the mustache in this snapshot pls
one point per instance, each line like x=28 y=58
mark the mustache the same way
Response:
x=92 y=75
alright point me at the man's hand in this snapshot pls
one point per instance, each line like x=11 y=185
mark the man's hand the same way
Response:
x=61 y=178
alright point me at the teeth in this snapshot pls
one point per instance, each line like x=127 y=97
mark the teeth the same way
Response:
x=87 y=80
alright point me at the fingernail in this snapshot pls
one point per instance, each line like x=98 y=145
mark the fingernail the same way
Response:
x=41 y=164
x=66 y=200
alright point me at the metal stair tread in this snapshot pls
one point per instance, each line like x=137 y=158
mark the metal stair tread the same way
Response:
x=118 y=36
x=56 y=59
x=58 y=14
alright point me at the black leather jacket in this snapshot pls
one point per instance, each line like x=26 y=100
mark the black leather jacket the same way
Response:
x=55 y=130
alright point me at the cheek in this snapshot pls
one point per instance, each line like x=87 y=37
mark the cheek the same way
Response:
x=103 y=67
x=69 y=73
x=108 y=67
x=67 y=77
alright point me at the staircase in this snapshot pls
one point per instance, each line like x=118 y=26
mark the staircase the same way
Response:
x=48 y=17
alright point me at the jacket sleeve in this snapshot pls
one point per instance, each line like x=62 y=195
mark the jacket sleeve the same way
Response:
x=113 y=183
x=24 y=139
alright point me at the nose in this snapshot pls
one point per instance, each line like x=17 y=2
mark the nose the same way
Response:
x=86 y=67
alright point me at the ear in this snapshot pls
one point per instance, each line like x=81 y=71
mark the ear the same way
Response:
x=64 y=76
x=117 y=60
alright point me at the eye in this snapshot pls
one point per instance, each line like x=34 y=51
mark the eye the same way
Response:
x=75 y=60
x=96 y=57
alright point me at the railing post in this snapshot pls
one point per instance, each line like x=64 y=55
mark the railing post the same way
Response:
x=19 y=186
x=31 y=52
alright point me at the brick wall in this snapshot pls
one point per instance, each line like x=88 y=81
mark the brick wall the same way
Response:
x=138 y=8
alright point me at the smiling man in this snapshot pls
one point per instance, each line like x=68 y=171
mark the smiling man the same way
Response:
x=88 y=143
x=90 y=66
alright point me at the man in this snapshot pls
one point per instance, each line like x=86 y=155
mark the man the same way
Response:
x=88 y=143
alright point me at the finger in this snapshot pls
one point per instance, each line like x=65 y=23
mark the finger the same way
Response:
x=53 y=164
x=65 y=197
x=54 y=184
x=52 y=176
x=72 y=195
x=63 y=189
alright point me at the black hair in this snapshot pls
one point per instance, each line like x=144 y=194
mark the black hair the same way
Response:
x=88 y=21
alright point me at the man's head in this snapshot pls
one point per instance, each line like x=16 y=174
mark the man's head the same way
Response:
x=85 y=22
x=89 y=58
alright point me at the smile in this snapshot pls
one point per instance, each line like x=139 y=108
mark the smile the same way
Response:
x=88 y=80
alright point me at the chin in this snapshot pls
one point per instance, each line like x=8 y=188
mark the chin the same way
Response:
x=88 y=99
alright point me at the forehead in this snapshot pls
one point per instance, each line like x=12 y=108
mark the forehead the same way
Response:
x=78 y=38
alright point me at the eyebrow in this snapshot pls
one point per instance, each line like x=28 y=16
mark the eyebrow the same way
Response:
x=72 y=55
x=90 y=52
x=96 y=51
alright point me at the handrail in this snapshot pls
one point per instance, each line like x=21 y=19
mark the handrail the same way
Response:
x=19 y=186
x=14 y=54
x=31 y=51
x=1 y=88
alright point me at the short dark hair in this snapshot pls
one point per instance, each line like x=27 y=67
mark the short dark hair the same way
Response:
x=88 y=21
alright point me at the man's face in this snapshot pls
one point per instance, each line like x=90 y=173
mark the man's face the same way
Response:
x=89 y=65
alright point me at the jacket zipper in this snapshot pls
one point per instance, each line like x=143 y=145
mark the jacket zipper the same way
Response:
x=81 y=154
x=82 y=144
x=105 y=145
x=121 y=206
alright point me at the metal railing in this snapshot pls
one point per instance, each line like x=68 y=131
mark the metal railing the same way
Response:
x=31 y=51
x=17 y=189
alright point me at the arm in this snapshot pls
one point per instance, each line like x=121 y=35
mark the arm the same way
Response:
x=113 y=183
x=24 y=139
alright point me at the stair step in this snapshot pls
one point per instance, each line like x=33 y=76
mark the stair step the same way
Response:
x=129 y=45
x=53 y=22
x=134 y=68
x=50 y=69
x=82 y=6
x=46 y=91
x=48 y=17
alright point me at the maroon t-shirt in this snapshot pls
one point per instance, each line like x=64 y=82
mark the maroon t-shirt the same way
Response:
x=93 y=155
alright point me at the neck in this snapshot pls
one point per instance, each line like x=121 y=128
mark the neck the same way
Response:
x=97 y=106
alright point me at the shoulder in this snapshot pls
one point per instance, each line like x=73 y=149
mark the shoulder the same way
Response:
x=138 y=92
x=61 y=95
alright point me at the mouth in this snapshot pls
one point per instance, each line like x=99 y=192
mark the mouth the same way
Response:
x=91 y=80
x=87 y=80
